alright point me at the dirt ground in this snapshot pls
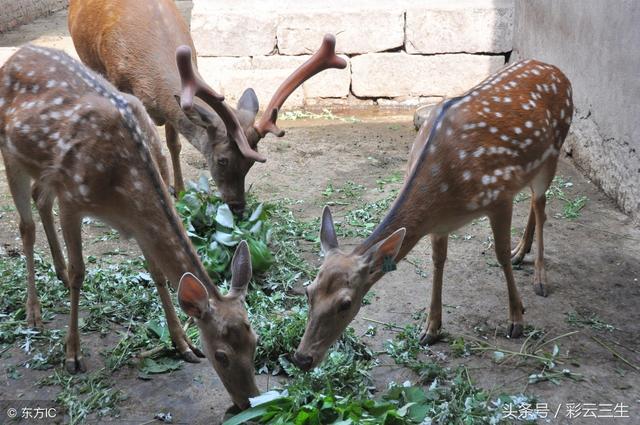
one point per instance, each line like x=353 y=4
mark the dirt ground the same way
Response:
x=592 y=262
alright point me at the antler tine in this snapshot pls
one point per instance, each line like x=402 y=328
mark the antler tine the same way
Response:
x=193 y=85
x=324 y=58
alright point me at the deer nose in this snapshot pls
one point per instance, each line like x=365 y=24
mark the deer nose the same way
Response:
x=237 y=208
x=303 y=361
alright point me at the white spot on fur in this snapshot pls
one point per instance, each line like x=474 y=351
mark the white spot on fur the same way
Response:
x=466 y=175
x=517 y=130
x=493 y=130
x=84 y=190
x=528 y=124
x=478 y=152
x=444 y=187
x=462 y=154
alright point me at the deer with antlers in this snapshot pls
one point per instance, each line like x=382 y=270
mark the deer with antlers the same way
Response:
x=469 y=159
x=134 y=42
x=97 y=151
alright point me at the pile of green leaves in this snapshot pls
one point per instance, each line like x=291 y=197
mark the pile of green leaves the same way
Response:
x=458 y=401
x=215 y=231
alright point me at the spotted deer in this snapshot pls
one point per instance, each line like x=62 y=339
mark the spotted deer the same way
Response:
x=470 y=159
x=134 y=43
x=97 y=152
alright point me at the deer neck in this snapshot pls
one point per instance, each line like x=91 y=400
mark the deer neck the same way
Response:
x=417 y=207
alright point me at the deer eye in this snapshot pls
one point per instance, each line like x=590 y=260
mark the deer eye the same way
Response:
x=222 y=358
x=223 y=162
x=345 y=304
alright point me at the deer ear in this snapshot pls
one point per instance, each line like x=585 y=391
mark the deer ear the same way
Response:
x=240 y=270
x=198 y=114
x=249 y=102
x=381 y=257
x=247 y=108
x=328 y=239
x=193 y=296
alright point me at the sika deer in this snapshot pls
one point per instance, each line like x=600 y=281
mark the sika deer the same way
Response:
x=134 y=42
x=97 y=151
x=472 y=156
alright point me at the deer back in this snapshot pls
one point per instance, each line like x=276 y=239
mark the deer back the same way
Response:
x=93 y=147
x=489 y=143
x=133 y=43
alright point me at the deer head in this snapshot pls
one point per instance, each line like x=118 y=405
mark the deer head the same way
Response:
x=228 y=340
x=335 y=297
x=232 y=136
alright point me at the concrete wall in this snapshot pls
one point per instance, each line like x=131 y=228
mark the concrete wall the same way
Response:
x=401 y=52
x=595 y=42
x=18 y=12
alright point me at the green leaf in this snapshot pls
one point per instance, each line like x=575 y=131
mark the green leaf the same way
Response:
x=258 y=411
x=261 y=258
x=256 y=228
x=224 y=217
x=160 y=329
x=191 y=201
x=225 y=238
x=256 y=213
x=203 y=184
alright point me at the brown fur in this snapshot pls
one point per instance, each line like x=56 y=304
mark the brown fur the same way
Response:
x=134 y=43
x=470 y=158
x=97 y=152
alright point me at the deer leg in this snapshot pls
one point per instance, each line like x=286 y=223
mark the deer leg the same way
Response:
x=20 y=187
x=71 y=231
x=540 y=274
x=45 y=207
x=185 y=347
x=501 y=226
x=431 y=332
x=173 y=143
x=524 y=245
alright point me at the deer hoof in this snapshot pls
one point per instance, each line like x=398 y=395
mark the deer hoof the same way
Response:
x=515 y=330
x=429 y=339
x=190 y=357
x=34 y=319
x=198 y=352
x=75 y=365
x=517 y=258
x=540 y=289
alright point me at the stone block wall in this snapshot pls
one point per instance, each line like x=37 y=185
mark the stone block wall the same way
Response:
x=17 y=12
x=594 y=43
x=400 y=52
